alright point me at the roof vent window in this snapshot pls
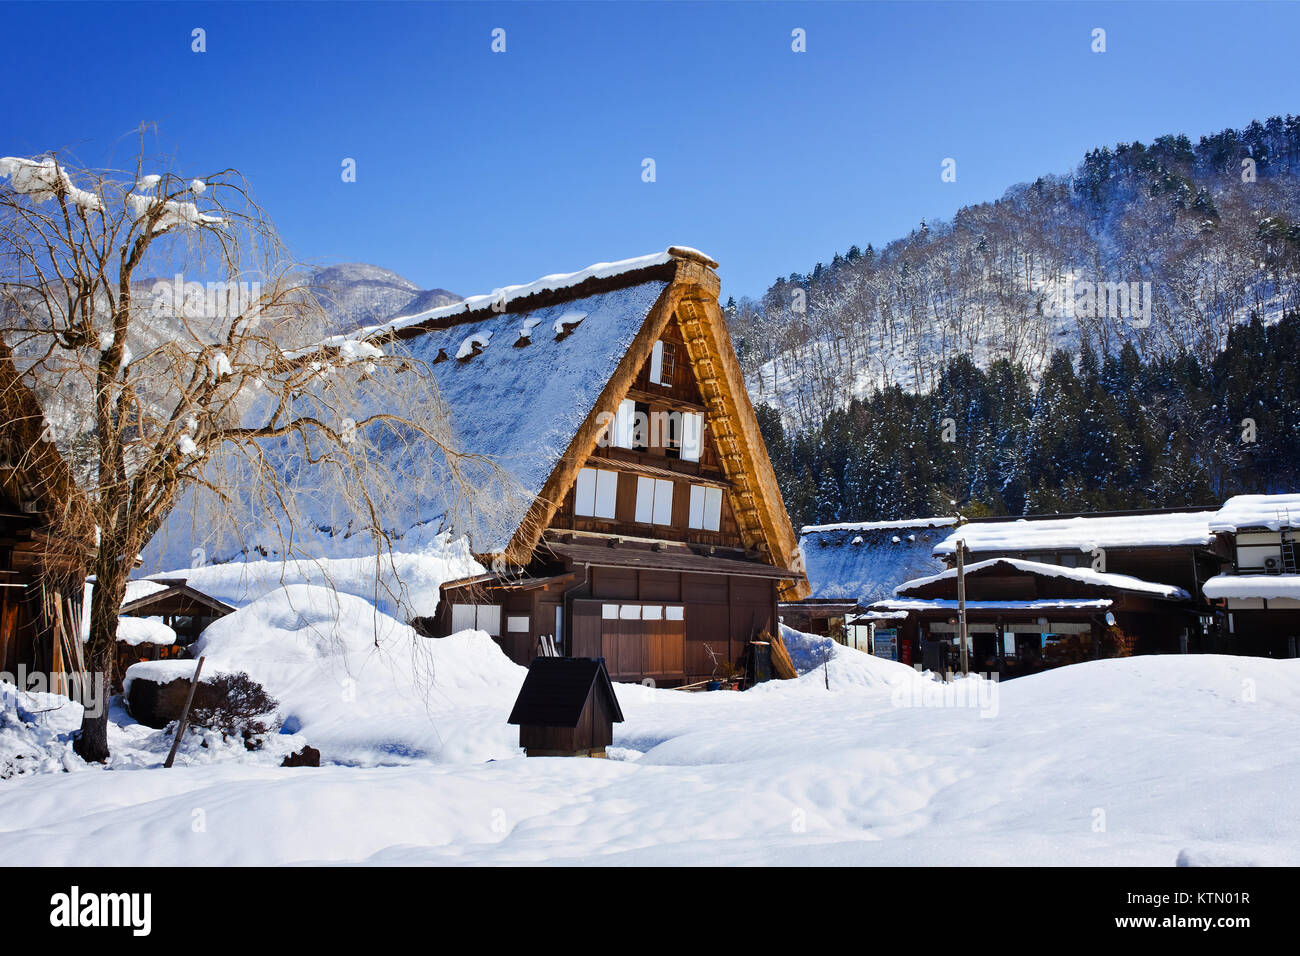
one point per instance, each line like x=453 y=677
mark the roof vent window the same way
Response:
x=472 y=346
x=565 y=324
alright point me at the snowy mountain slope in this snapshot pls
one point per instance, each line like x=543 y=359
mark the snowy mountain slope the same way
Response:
x=1166 y=246
x=358 y=294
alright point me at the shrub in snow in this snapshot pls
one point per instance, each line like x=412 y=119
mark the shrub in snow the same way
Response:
x=237 y=706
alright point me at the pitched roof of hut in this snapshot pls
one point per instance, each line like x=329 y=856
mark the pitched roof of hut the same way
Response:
x=556 y=691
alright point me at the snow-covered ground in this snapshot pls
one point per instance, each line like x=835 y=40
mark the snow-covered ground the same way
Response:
x=1149 y=761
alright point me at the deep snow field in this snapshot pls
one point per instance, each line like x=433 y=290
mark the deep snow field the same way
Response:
x=1146 y=761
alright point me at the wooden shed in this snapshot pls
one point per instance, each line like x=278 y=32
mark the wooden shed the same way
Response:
x=566 y=708
x=186 y=610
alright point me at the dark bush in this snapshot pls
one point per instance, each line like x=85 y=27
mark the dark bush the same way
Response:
x=234 y=704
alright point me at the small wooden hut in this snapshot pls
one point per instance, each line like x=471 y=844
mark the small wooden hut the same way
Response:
x=566 y=708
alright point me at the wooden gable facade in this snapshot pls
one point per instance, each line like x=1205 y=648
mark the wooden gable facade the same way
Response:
x=659 y=542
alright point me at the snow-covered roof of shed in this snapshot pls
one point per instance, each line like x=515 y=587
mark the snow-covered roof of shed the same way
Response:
x=864 y=561
x=1083 y=533
x=503 y=297
x=1122 y=582
x=1258 y=511
x=135 y=590
x=1268 y=586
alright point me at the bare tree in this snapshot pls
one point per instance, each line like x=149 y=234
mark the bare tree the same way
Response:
x=173 y=349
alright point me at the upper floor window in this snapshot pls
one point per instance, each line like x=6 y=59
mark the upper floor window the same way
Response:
x=654 y=501
x=624 y=427
x=706 y=508
x=595 y=493
x=663 y=363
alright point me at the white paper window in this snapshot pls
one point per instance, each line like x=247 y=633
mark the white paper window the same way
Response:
x=462 y=617
x=692 y=435
x=654 y=500
x=706 y=508
x=696 y=518
x=657 y=363
x=630 y=612
x=481 y=617
x=584 y=493
x=712 y=508
x=595 y=493
x=606 y=493
x=624 y=424
x=652 y=612
x=645 y=499
x=517 y=624
x=675 y=613
x=609 y=612
x=663 y=501
x=489 y=619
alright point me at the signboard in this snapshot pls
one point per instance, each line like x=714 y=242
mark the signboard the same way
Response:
x=887 y=643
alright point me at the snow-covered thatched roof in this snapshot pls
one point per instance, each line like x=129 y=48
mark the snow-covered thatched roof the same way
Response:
x=519 y=399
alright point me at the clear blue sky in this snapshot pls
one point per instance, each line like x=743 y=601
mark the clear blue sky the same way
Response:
x=476 y=169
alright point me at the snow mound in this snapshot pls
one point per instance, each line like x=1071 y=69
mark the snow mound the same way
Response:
x=816 y=658
x=144 y=630
x=401 y=584
x=363 y=687
x=35 y=733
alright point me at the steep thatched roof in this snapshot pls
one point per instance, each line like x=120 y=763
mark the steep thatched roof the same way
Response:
x=528 y=371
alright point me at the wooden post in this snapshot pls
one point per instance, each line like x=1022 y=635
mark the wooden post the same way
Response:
x=961 y=605
x=185 y=716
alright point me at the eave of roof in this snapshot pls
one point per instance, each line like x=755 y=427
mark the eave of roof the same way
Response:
x=672 y=558
x=1119 y=582
x=1046 y=604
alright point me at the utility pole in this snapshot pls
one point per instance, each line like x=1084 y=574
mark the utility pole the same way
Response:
x=961 y=605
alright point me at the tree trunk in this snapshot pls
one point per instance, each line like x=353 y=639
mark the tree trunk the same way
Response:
x=101 y=657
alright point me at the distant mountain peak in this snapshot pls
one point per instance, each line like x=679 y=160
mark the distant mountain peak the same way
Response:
x=358 y=294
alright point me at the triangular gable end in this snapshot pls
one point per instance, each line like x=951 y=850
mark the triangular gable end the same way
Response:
x=691 y=298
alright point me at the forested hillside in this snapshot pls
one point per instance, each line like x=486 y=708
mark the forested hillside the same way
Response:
x=1106 y=432
x=1165 y=246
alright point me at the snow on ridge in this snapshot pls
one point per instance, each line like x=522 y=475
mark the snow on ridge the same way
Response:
x=1084 y=533
x=1082 y=575
x=878 y=525
x=551 y=283
x=1268 y=586
x=1258 y=511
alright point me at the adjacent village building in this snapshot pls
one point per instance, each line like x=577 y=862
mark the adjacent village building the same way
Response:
x=1258 y=590
x=1051 y=589
x=854 y=564
x=651 y=531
